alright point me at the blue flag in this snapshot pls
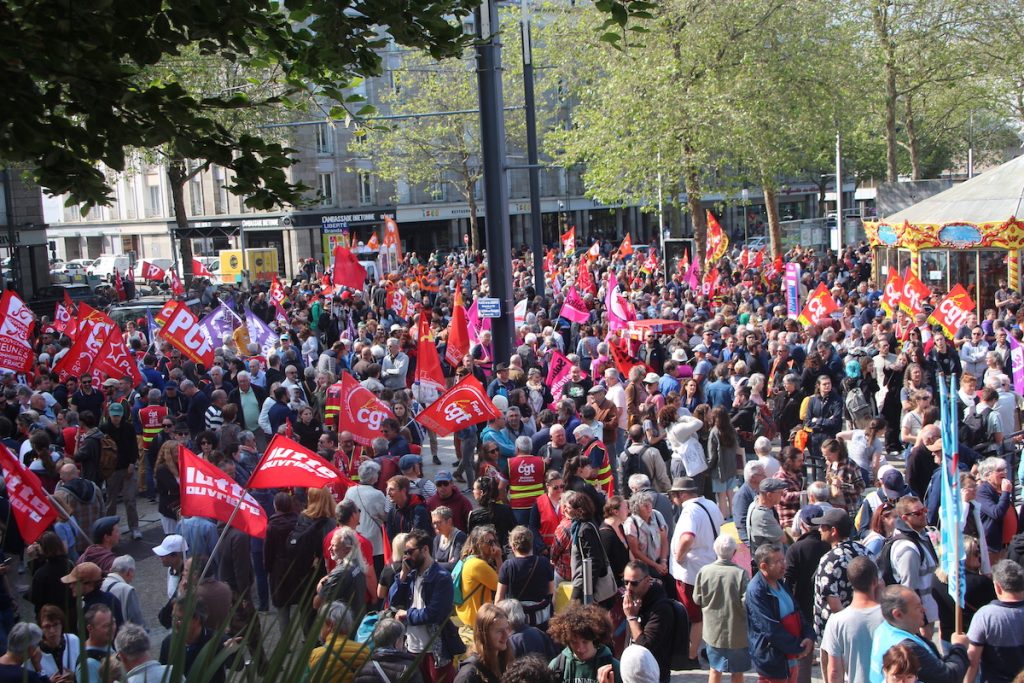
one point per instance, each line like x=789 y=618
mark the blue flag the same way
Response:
x=950 y=512
x=153 y=331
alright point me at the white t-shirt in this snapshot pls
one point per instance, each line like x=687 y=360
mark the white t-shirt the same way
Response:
x=770 y=464
x=703 y=519
x=860 y=451
x=848 y=634
x=417 y=638
x=617 y=395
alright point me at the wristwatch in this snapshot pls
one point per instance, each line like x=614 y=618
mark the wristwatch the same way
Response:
x=633 y=618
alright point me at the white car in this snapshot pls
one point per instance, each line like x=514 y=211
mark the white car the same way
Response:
x=104 y=266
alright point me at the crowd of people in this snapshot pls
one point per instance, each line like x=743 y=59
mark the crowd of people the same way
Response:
x=733 y=492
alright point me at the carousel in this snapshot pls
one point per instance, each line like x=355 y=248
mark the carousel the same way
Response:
x=969 y=234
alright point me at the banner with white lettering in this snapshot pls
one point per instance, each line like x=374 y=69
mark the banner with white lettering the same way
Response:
x=16 y=323
x=33 y=511
x=287 y=463
x=558 y=374
x=207 y=492
x=465 y=404
x=952 y=312
x=183 y=332
x=791 y=282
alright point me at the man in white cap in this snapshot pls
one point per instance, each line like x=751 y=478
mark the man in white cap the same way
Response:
x=172 y=555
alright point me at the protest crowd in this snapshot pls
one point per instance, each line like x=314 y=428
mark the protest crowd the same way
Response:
x=765 y=466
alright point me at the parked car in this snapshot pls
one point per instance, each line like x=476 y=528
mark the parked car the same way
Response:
x=104 y=266
x=756 y=243
x=46 y=298
x=135 y=309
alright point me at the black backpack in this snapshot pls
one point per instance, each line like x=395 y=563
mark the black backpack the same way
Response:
x=305 y=551
x=885 y=569
x=632 y=463
x=974 y=428
x=680 y=637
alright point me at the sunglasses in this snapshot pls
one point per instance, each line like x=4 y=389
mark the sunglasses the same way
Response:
x=634 y=583
x=443 y=483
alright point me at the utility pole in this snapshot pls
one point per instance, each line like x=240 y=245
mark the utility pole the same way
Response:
x=532 y=157
x=492 y=134
x=837 y=242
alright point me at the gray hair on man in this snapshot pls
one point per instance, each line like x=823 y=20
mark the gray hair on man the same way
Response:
x=246 y=437
x=990 y=465
x=24 y=636
x=751 y=470
x=379 y=446
x=639 y=482
x=123 y=564
x=524 y=444
x=339 y=616
x=818 y=492
x=725 y=547
x=132 y=642
x=244 y=374
x=1009 y=575
x=388 y=632
x=369 y=472
x=186 y=385
x=154 y=396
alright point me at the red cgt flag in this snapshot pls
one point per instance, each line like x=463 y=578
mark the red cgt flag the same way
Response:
x=16 y=323
x=287 y=463
x=348 y=272
x=33 y=511
x=361 y=412
x=463 y=405
x=207 y=492
x=176 y=287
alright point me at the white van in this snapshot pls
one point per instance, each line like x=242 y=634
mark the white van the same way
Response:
x=104 y=266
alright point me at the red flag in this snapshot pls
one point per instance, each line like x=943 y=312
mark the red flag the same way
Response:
x=458 y=333
x=176 y=287
x=348 y=272
x=717 y=240
x=16 y=323
x=374 y=242
x=744 y=260
x=68 y=304
x=559 y=373
x=585 y=279
x=428 y=364
x=891 y=293
x=463 y=405
x=115 y=361
x=152 y=272
x=759 y=259
x=915 y=293
x=130 y=275
x=33 y=512
x=77 y=361
x=276 y=294
x=594 y=251
x=569 y=242
x=361 y=412
x=549 y=262
x=819 y=306
x=287 y=463
x=710 y=283
x=119 y=286
x=951 y=313
x=62 y=320
x=626 y=248
x=207 y=492
x=183 y=332
x=199 y=269
x=623 y=363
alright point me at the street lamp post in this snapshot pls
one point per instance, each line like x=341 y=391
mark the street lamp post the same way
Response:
x=532 y=156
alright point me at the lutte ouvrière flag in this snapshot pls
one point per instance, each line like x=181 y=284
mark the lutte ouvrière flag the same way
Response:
x=206 y=491
x=288 y=463
x=33 y=511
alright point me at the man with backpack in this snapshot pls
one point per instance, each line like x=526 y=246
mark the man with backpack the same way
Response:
x=639 y=458
x=122 y=481
x=90 y=448
x=909 y=558
x=982 y=427
x=650 y=615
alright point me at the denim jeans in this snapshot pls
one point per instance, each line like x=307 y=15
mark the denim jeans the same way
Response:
x=260 y=573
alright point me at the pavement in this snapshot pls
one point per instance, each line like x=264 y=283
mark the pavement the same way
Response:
x=151 y=583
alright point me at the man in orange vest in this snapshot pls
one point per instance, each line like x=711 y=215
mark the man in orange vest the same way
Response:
x=151 y=417
x=525 y=480
x=597 y=453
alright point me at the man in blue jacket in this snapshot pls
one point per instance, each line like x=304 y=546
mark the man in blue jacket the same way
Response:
x=424 y=594
x=778 y=634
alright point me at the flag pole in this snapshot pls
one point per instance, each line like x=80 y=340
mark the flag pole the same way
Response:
x=955 y=486
x=220 y=538
x=74 y=522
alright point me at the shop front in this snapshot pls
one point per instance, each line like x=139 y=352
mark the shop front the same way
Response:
x=328 y=229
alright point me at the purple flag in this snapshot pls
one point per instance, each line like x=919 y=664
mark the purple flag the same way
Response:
x=1017 y=363
x=219 y=323
x=259 y=332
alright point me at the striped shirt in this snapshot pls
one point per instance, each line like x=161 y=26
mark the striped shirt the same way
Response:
x=214 y=418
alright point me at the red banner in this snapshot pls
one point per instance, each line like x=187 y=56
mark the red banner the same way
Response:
x=114 y=359
x=33 y=511
x=710 y=283
x=348 y=272
x=151 y=272
x=626 y=248
x=569 y=242
x=62 y=321
x=207 y=492
x=458 y=333
x=119 y=286
x=76 y=362
x=183 y=332
x=819 y=306
x=16 y=323
x=199 y=269
x=428 y=364
x=585 y=279
x=952 y=311
x=287 y=463
x=361 y=412
x=717 y=240
x=463 y=405
x=892 y=293
x=176 y=287
x=915 y=293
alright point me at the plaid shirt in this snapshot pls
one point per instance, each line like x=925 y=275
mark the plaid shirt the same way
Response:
x=561 y=549
x=848 y=478
x=789 y=505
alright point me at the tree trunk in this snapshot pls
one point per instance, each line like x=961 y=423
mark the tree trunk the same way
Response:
x=912 y=142
x=691 y=177
x=177 y=176
x=771 y=204
x=889 y=49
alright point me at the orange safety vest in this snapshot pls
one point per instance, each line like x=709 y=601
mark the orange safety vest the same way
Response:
x=332 y=408
x=152 y=418
x=604 y=479
x=549 y=519
x=525 y=481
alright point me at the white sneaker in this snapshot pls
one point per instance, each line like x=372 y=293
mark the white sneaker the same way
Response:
x=137 y=535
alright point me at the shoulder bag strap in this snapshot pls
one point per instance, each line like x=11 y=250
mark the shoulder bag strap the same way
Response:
x=710 y=518
x=380 y=672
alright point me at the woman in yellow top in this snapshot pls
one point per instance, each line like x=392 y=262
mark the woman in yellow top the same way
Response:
x=479 y=579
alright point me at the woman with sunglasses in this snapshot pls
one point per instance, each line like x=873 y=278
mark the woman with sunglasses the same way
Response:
x=491 y=511
x=883 y=520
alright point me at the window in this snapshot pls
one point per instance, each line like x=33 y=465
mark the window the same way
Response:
x=438 y=191
x=326 y=186
x=151 y=196
x=365 y=188
x=195 y=187
x=220 y=191
x=324 y=139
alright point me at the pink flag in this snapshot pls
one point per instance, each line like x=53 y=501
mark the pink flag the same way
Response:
x=558 y=373
x=616 y=306
x=575 y=308
x=1017 y=363
x=692 y=276
x=476 y=323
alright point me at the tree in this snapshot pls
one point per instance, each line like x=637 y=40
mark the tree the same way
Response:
x=436 y=138
x=75 y=95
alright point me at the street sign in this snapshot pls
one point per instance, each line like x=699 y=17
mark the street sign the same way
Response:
x=489 y=307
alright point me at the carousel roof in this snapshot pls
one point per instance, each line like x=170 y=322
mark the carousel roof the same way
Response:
x=995 y=195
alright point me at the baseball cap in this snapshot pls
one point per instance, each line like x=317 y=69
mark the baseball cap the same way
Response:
x=652 y=378
x=700 y=348
x=893 y=484
x=86 y=571
x=110 y=382
x=836 y=518
x=170 y=385
x=809 y=513
x=171 y=544
x=596 y=389
x=443 y=475
x=116 y=410
x=103 y=527
x=407 y=462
